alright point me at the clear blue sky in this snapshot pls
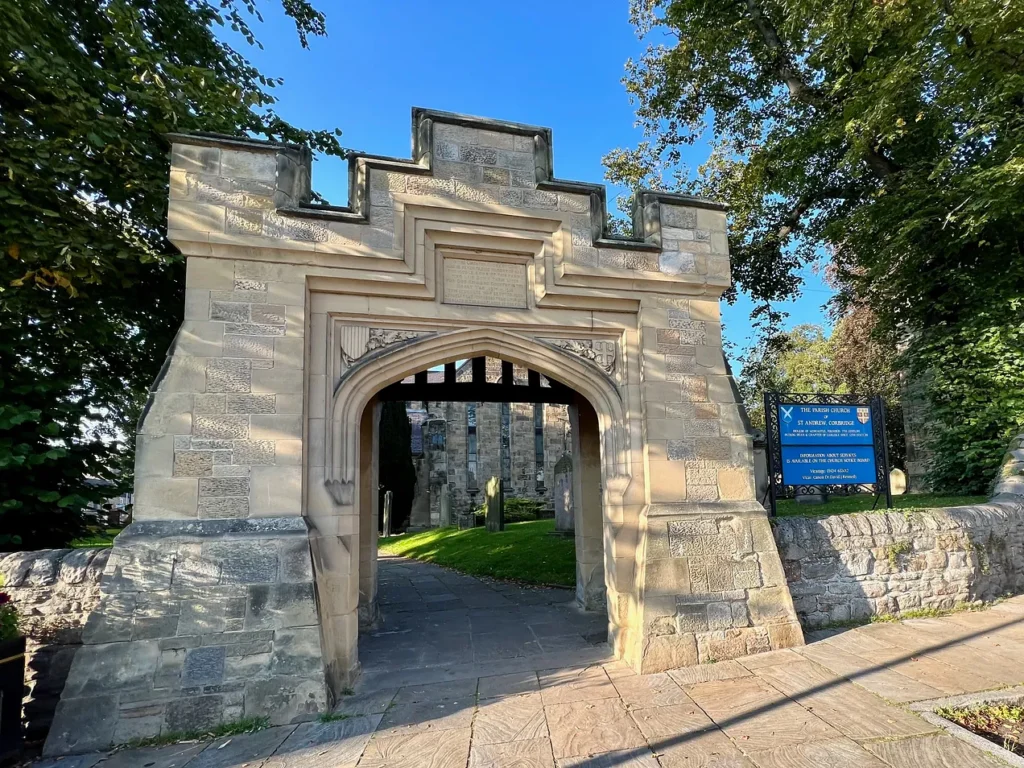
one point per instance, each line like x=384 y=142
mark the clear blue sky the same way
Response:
x=556 y=64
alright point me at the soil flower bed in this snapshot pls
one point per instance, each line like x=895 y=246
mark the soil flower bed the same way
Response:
x=999 y=723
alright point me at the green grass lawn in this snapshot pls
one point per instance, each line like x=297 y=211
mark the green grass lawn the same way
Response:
x=522 y=552
x=842 y=505
x=97 y=537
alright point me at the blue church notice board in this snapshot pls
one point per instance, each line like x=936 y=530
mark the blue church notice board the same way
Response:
x=827 y=444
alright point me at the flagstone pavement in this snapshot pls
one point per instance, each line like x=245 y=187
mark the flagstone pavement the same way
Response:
x=467 y=673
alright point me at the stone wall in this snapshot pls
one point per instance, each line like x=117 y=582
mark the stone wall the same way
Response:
x=198 y=624
x=852 y=567
x=54 y=591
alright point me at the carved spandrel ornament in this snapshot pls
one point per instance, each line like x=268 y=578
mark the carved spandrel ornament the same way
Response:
x=356 y=341
x=601 y=352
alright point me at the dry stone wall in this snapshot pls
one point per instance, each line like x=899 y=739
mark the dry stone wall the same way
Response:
x=852 y=567
x=54 y=591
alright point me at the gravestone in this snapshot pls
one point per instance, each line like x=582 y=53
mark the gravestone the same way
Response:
x=389 y=498
x=897 y=482
x=419 y=516
x=445 y=506
x=564 y=513
x=494 y=493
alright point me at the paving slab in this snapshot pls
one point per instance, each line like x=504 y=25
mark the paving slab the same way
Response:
x=701 y=749
x=173 y=756
x=853 y=711
x=529 y=753
x=659 y=723
x=837 y=753
x=508 y=685
x=369 y=703
x=658 y=690
x=933 y=752
x=418 y=749
x=756 y=716
x=881 y=681
x=591 y=727
x=429 y=716
x=337 y=744
x=515 y=718
x=632 y=758
x=705 y=673
x=455 y=690
x=247 y=749
x=563 y=686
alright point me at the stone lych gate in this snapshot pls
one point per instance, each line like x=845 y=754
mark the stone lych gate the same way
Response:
x=239 y=588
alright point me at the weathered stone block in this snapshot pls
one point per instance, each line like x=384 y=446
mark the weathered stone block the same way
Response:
x=248 y=346
x=211 y=614
x=297 y=652
x=279 y=606
x=194 y=713
x=82 y=724
x=250 y=404
x=109 y=667
x=223 y=486
x=249 y=563
x=203 y=666
x=224 y=375
x=221 y=427
x=218 y=507
x=285 y=699
x=193 y=464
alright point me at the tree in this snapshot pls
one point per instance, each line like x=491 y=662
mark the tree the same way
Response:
x=799 y=360
x=849 y=361
x=397 y=473
x=90 y=288
x=887 y=134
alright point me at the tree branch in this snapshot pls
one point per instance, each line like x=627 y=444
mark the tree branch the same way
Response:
x=784 y=68
x=800 y=90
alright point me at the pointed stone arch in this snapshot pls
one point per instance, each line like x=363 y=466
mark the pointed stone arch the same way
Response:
x=338 y=552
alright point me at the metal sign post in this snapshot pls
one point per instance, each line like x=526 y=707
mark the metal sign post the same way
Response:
x=832 y=444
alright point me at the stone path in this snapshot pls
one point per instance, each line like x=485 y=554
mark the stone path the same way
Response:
x=494 y=696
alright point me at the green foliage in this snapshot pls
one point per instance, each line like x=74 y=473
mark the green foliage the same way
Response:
x=397 y=473
x=90 y=289
x=524 y=552
x=234 y=728
x=799 y=360
x=519 y=509
x=974 y=373
x=332 y=717
x=885 y=135
x=894 y=550
x=8 y=616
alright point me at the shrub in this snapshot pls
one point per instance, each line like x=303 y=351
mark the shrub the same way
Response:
x=8 y=616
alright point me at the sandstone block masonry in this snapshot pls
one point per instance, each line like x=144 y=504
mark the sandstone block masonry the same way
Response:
x=54 y=591
x=199 y=624
x=297 y=315
x=852 y=567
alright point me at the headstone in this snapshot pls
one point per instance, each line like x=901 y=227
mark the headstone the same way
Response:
x=419 y=516
x=814 y=495
x=565 y=521
x=494 y=493
x=389 y=498
x=446 y=506
x=897 y=482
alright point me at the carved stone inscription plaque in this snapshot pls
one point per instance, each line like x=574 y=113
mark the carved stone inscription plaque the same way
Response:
x=485 y=283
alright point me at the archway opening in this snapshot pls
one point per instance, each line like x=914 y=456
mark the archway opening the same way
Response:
x=505 y=469
x=344 y=533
